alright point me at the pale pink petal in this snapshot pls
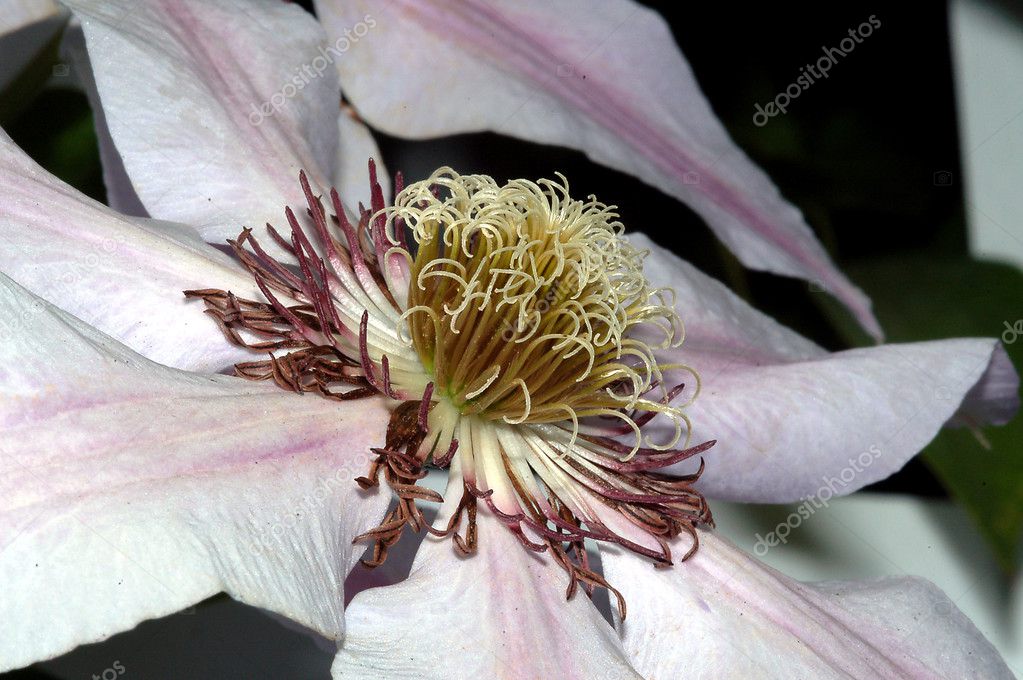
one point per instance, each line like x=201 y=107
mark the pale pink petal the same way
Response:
x=121 y=194
x=611 y=83
x=723 y=614
x=357 y=147
x=356 y=144
x=498 y=614
x=214 y=106
x=995 y=398
x=123 y=275
x=129 y=490
x=791 y=419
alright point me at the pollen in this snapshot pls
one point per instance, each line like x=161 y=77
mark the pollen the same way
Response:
x=521 y=302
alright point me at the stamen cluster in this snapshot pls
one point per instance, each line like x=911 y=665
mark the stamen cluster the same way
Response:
x=522 y=299
x=500 y=320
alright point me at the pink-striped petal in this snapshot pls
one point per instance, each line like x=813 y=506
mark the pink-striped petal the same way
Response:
x=723 y=615
x=129 y=490
x=122 y=275
x=792 y=420
x=611 y=83
x=214 y=106
x=498 y=614
x=355 y=144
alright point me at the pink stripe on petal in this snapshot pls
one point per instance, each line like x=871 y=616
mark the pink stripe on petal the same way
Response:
x=123 y=275
x=723 y=614
x=612 y=83
x=790 y=418
x=210 y=108
x=500 y=613
x=129 y=490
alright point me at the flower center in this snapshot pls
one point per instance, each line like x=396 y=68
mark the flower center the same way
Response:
x=521 y=299
x=500 y=320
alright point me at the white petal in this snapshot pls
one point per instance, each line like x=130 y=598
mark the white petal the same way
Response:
x=995 y=398
x=356 y=144
x=123 y=275
x=356 y=149
x=612 y=83
x=121 y=194
x=129 y=490
x=723 y=614
x=790 y=418
x=872 y=535
x=214 y=106
x=498 y=614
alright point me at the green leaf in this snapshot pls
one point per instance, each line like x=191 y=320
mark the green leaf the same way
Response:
x=924 y=298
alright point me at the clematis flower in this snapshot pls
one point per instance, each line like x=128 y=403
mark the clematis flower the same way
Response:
x=138 y=481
